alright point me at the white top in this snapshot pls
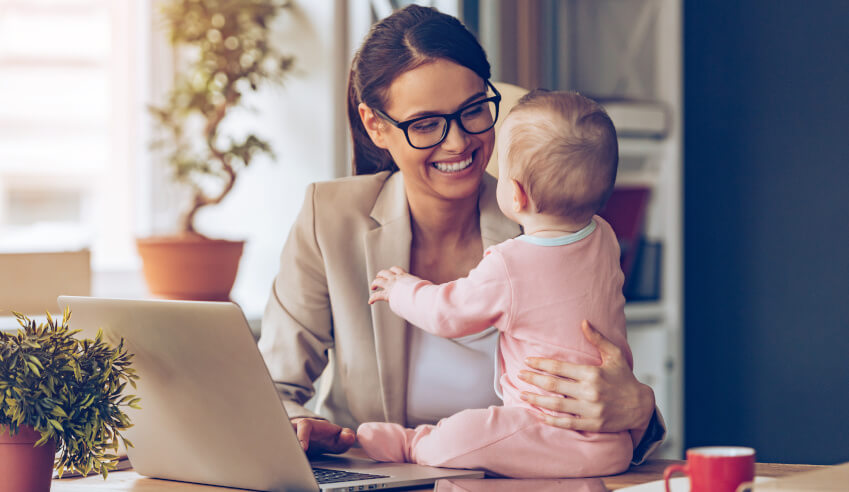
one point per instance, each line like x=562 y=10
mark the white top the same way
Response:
x=447 y=376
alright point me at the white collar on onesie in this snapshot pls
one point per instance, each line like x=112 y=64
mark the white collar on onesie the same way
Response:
x=561 y=240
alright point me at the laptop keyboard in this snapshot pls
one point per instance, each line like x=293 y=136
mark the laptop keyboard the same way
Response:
x=323 y=475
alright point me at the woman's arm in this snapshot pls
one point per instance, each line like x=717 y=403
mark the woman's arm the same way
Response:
x=297 y=332
x=296 y=325
x=605 y=398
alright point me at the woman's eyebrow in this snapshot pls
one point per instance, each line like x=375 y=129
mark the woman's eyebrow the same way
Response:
x=429 y=113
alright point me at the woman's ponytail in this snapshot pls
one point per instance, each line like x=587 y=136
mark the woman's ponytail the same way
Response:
x=367 y=158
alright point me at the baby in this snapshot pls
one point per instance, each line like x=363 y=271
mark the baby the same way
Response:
x=557 y=160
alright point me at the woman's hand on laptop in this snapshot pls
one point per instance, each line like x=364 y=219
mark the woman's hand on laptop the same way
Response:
x=320 y=436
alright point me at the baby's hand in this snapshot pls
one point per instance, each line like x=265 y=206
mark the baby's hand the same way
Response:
x=384 y=280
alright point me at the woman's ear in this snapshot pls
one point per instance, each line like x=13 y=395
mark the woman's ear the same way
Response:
x=520 y=198
x=373 y=125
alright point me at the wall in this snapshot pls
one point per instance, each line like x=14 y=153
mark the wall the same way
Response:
x=767 y=227
x=301 y=120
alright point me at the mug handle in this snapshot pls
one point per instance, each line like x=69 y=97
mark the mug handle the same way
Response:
x=746 y=487
x=667 y=474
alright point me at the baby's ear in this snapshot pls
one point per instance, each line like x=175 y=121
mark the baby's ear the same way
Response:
x=520 y=198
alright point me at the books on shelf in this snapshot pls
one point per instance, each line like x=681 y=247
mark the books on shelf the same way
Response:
x=635 y=118
x=644 y=283
x=640 y=261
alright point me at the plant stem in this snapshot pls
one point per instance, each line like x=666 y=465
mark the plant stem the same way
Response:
x=200 y=199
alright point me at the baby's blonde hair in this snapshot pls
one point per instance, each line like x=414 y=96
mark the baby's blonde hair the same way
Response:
x=564 y=152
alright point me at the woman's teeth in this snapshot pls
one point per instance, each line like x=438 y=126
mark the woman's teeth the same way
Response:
x=453 y=167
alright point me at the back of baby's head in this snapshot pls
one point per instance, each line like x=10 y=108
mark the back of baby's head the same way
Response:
x=564 y=152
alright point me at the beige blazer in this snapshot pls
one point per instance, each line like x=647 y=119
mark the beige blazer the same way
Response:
x=318 y=315
x=318 y=312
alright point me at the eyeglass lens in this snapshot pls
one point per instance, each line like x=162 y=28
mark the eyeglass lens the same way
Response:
x=428 y=132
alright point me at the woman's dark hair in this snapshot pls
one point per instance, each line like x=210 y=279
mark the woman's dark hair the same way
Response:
x=408 y=38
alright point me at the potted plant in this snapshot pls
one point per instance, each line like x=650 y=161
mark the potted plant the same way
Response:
x=226 y=50
x=59 y=393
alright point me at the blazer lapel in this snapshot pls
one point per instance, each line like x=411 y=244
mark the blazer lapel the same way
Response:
x=386 y=246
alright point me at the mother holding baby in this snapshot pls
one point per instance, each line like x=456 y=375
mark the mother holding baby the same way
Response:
x=421 y=199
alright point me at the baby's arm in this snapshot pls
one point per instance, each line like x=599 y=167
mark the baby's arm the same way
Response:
x=463 y=307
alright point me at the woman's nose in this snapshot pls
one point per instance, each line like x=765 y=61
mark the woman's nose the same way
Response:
x=457 y=139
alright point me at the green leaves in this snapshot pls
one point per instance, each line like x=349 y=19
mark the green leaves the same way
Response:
x=67 y=389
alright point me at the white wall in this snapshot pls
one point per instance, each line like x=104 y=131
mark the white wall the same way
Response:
x=305 y=122
x=301 y=120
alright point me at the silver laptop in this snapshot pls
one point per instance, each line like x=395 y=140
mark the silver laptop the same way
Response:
x=210 y=413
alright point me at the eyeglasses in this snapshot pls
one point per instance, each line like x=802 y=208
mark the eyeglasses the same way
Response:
x=429 y=131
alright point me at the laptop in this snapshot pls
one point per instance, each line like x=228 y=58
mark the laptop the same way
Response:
x=210 y=413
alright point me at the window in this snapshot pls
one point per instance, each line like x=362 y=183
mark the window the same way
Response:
x=70 y=132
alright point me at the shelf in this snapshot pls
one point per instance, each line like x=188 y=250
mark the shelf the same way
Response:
x=640 y=161
x=629 y=54
x=629 y=146
x=644 y=312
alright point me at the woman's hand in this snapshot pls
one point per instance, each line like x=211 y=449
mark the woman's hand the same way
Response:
x=605 y=398
x=320 y=436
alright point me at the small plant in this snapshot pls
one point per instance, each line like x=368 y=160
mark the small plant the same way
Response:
x=228 y=45
x=66 y=389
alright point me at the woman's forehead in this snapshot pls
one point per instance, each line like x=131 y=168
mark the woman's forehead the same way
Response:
x=441 y=86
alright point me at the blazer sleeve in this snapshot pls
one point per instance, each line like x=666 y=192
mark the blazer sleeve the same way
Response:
x=463 y=307
x=297 y=327
x=652 y=438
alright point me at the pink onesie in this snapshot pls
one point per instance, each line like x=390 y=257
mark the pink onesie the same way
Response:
x=535 y=291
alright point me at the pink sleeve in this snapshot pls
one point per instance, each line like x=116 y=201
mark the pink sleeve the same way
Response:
x=463 y=307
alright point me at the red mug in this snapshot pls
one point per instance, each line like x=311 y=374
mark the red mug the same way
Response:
x=715 y=468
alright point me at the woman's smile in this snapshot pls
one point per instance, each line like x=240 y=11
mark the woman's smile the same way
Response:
x=455 y=165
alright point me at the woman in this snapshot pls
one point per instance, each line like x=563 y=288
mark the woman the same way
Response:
x=420 y=200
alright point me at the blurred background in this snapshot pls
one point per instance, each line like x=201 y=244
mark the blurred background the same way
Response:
x=734 y=177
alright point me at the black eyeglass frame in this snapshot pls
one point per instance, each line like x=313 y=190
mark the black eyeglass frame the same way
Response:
x=455 y=116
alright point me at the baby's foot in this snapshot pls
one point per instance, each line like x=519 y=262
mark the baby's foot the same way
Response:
x=385 y=442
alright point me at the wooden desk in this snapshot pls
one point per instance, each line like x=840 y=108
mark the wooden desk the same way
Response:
x=652 y=470
x=128 y=480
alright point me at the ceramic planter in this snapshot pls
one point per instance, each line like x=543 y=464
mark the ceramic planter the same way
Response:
x=190 y=267
x=22 y=466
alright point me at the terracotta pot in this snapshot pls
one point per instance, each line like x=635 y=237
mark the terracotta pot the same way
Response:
x=22 y=466
x=190 y=267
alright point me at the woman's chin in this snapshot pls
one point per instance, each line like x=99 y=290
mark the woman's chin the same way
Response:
x=459 y=187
